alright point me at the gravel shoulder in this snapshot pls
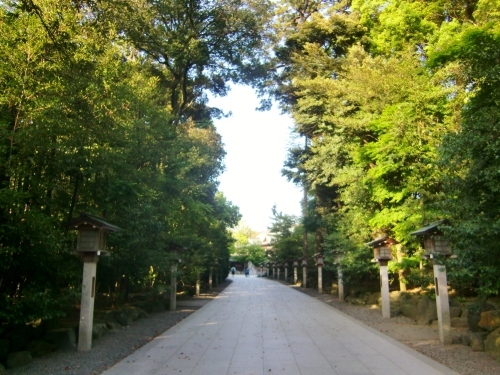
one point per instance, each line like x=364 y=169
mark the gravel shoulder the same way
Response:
x=424 y=339
x=115 y=346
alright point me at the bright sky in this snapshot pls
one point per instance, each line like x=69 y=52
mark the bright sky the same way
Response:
x=256 y=144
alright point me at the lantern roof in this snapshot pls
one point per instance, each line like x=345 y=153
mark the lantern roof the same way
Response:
x=96 y=221
x=382 y=241
x=429 y=230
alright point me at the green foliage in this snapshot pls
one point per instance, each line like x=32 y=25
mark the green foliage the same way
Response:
x=400 y=103
x=92 y=121
x=288 y=236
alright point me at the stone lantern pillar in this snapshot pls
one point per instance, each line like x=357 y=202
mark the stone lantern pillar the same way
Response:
x=278 y=266
x=210 y=278
x=286 y=271
x=295 y=265
x=175 y=254
x=340 y=280
x=261 y=269
x=320 y=261
x=92 y=235
x=304 y=272
x=382 y=254
x=438 y=249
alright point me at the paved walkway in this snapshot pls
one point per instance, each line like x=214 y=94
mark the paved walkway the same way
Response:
x=259 y=326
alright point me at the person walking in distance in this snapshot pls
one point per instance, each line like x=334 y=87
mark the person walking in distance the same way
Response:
x=233 y=271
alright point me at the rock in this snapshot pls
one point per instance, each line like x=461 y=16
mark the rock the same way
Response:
x=492 y=343
x=99 y=330
x=63 y=338
x=2 y=370
x=357 y=301
x=143 y=314
x=155 y=307
x=474 y=315
x=123 y=317
x=113 y=326
x=373 y=298
x=406 y=298
x=105 y=316
x=395 y=311
x=394 y=297
x=455 y=311
x=18 y=359
x=410 y=311
x=477 y=341
x=465 y=339
x=455 y=303
x=426 y=311
x=18 y=338
x=4 y=349
x=459 y=322
x=456 y=339
x=38 y=348
x=489 y=320
x=473 y=318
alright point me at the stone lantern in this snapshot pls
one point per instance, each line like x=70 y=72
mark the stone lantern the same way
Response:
x=304 y=272
x=295 y=265
x=278 y=266
x=93 y=232
x=436 y=247
x=286 y=270
x=175 y=252
x=382 y=254
x=320 y=261
x=340 y=280
x=261 y=265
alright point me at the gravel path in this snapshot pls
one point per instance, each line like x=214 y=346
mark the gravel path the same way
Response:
x=106 y=351
x=114 y=346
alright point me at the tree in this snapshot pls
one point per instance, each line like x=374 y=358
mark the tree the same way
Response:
x=470 y=155
x=202 y=45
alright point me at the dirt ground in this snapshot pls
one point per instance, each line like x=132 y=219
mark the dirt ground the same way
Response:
x=424 y=339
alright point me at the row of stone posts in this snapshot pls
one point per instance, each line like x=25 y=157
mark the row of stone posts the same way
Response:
x=276 y=266
x=93 y=232
x=436 y=248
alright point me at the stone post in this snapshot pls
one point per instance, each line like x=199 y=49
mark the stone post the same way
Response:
x=210 y=278
x=274 y=272
x=341 y=283
x=399 y=255
x=286 y=274
x=295 y=278
x=384 y=289
x=197 y=285
x=87 y=302
x=442 y=303
x=304 y=274
x=173 y=287
x=320 y=279
x=278 y=273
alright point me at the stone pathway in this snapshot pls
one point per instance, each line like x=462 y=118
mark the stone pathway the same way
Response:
x=260 y=326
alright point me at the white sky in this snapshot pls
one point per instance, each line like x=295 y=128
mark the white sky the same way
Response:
x=256 y=144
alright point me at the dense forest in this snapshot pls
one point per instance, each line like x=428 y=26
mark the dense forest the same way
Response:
x=104 y=109
x=398 y=103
